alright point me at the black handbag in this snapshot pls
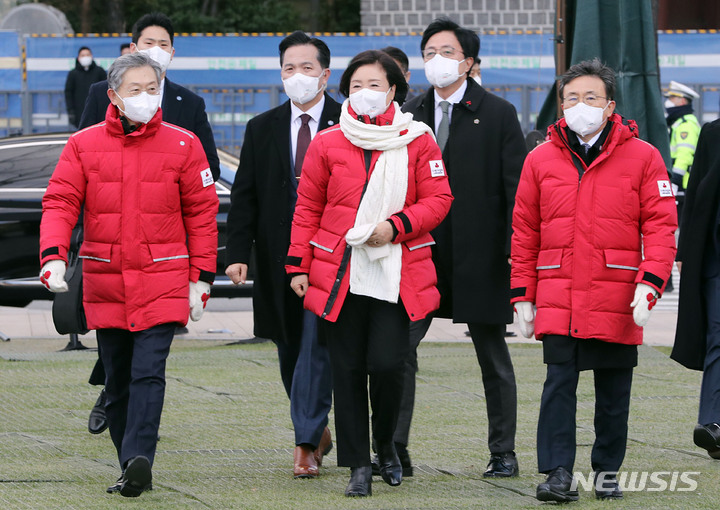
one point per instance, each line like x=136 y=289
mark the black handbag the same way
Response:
x=68 y=312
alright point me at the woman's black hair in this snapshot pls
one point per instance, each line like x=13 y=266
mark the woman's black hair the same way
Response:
x=392 y=71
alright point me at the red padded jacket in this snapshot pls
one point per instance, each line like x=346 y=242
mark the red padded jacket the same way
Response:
x=584 y=236
x=150 y=220
x=328 y=198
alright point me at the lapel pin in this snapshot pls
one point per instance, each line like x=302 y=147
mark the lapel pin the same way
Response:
x=330 y=123
x=179 y=98
x=476 y=121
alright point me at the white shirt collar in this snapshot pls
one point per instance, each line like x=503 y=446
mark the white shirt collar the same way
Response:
x=592 y=141
x=456 y=96
x=315 y=112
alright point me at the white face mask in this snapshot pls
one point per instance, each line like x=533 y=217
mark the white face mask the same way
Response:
x=301 y=88
x=369 y=102
x=85 y=61
x=442 y=71
x=140 y=108
x=584 y=119
x=478 y=80
x=159 y=55
x=669 y=103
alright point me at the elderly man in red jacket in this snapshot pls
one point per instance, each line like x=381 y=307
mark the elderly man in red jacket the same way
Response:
x=149 y=252
x=592 y=249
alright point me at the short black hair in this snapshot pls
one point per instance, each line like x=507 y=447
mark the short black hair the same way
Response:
x=469 y=40
x=399 y=55
x=392 y=71
x=592 y=67
x=299 y=38
x=123 y=46
x=84 y=48
x=154 y=19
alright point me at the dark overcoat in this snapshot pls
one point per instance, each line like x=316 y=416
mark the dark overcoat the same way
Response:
x=180 y=106
x=77 y=86
x=262 y=205
x=699 y=226
x=484 y=157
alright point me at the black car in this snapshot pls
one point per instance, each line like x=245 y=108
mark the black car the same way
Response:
x=26 y=164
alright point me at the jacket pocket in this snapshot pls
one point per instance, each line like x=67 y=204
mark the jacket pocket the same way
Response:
x=420 y=242
x=622 y=259
x=549 y=259
x=325 y=241
x=168 y=251
x=101 y=252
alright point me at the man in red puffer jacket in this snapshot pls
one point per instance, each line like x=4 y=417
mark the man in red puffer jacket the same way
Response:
x=149 y=253
x=592 y=249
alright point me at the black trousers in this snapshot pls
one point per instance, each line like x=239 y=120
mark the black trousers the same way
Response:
x=498 y=378
x=369 y=341
x=710 y=390
x=556 y=444
x=134 y=363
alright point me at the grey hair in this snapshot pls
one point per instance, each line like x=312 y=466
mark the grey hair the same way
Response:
x=592 y=67
x=130 y=61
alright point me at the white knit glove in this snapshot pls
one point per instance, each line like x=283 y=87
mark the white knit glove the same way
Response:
x=52 y=275
x=526 y=318
x=199 y=295
x=643 y=302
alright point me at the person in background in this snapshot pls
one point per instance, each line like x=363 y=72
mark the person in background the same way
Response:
x=592 y=248
x=261 y=211
x=146 y=267
x=371 y=192
x=125 y=49
x=475 y=72
x=483 y=147
x=152 y=35
x=697 y=337
x=78 y=82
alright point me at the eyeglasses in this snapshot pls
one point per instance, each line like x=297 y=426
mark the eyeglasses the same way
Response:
x=445 y=51
x=590 y=100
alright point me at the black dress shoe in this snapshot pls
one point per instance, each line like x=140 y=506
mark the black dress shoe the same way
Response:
x=97 y=422
x=557 y=487
x=389 y=463
x=116 y=486
x=403 y=455
x=708 y=437
x=607 y=487
x=360 y=484
x=137 y=477
x=502 y=465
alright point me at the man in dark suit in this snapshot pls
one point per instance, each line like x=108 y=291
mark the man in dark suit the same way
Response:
x=261 y=211
x=152 y=34
x=697 y=338
x=483 y=149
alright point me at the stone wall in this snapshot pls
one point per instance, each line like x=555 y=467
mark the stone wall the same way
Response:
x=484 y=16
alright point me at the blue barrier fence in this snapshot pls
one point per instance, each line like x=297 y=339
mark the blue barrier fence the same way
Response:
x=238 y=76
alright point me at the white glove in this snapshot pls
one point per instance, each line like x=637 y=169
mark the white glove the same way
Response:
x=199 y=295
x=526 y=318
x=52 y=275
x=644 y=300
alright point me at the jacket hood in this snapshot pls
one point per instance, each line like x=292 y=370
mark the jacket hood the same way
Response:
x=622 y=130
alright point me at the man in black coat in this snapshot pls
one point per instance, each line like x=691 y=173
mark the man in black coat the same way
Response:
x=261 y=211
x=697 y=338
x=78 y=82
x=483 y=149
x=152 y=34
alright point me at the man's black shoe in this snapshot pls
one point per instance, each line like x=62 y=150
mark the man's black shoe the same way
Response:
x=403 y=455
x=137 y=477
x=97 y=423
x=708 y=437
x=360 y=484
x=389 y=463
x=116 y=486
x=557 y=487
x=502 y=465
x=607 y=486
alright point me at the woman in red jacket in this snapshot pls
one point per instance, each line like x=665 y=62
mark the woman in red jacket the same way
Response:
x=371 y=191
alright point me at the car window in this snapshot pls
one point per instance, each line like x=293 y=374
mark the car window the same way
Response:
x=29 y=164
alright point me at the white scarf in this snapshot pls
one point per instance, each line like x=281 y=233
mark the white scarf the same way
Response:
x=375 y=272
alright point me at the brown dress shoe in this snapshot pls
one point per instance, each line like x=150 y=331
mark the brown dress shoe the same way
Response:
x=324 y=446
x=305 y=464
